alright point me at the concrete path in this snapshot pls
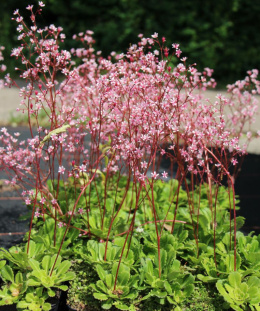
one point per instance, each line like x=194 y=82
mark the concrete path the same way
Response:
x=10 y=100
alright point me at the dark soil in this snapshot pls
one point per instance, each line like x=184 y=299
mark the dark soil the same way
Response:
x=247 y=186
x=12 y=228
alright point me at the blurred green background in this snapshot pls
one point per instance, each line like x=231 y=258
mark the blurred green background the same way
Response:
x=220 y=34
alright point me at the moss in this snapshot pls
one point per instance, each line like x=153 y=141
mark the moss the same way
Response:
x=79 y=294
x=204 y=298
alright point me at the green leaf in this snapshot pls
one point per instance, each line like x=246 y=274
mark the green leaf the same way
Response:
x=253 y=281
x=46 y=306
x=170 y=300
x=176 y=265
x=223 y=292
x=206 y=279
x=35 y=265
x=100 y=285
x=149 y=278
x=51 y=292
x=123 y=278
x=167 y=286
x=100 y=296
x=46 y=263
x=19 y=278
x=149 y=266
x=188 y=280
x=183 y=236
x=163 y=259
x=56 y=131
x=62 y=287
x=158 y=293
x=33 y=282
x=109 y=280
x=253 y=257
x=66 y=277
x=22 y=305
x=131 y=295
x=7 y=274
x=158 y=284
x=2 y=263
x=122 y=306
x=230 y=262
x=32 y=249
x=63 y=267
x=123 y=273
x=236 y=307
x=188 y=290
x=101 y=272
x=53 y=259
x=106 y=306
x=235 y=279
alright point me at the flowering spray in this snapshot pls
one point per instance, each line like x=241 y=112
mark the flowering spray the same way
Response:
x=120 y=116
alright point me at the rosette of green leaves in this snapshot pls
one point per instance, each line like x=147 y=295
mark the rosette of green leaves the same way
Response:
x=94 y=252
x=18 y=256
x=35 y=300
x=46 y=235
x=93 y=221
x=240 y=293
x=174 y=285
x=123 y=295
x=249 y=249
x=43 y=274
x=14 y=285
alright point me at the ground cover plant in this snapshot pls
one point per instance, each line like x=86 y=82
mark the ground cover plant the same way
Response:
x=108 y=225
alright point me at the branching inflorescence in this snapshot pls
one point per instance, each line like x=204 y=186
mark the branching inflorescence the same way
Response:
x=120 y=116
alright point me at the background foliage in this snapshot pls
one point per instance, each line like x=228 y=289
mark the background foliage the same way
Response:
x=222 y=35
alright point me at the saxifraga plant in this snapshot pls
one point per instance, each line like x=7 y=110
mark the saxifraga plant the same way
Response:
x=116 y=118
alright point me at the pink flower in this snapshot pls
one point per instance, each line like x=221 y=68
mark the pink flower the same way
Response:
x=27 y=201
x=155 y=35
x=178 y=53
x=162 y=152
x=61 y=170
x=249 y=135
x=141 y=178
x=41 y=4
x=43 y=200
x=234 y=161
x=80 y=211
x=60 y=224
x=83 y=168
x=49 y=85
x=154 y=175
x=164 y=174
x=29 y=7
x=143 y=165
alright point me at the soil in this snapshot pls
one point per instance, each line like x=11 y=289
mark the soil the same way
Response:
x=12 y=228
